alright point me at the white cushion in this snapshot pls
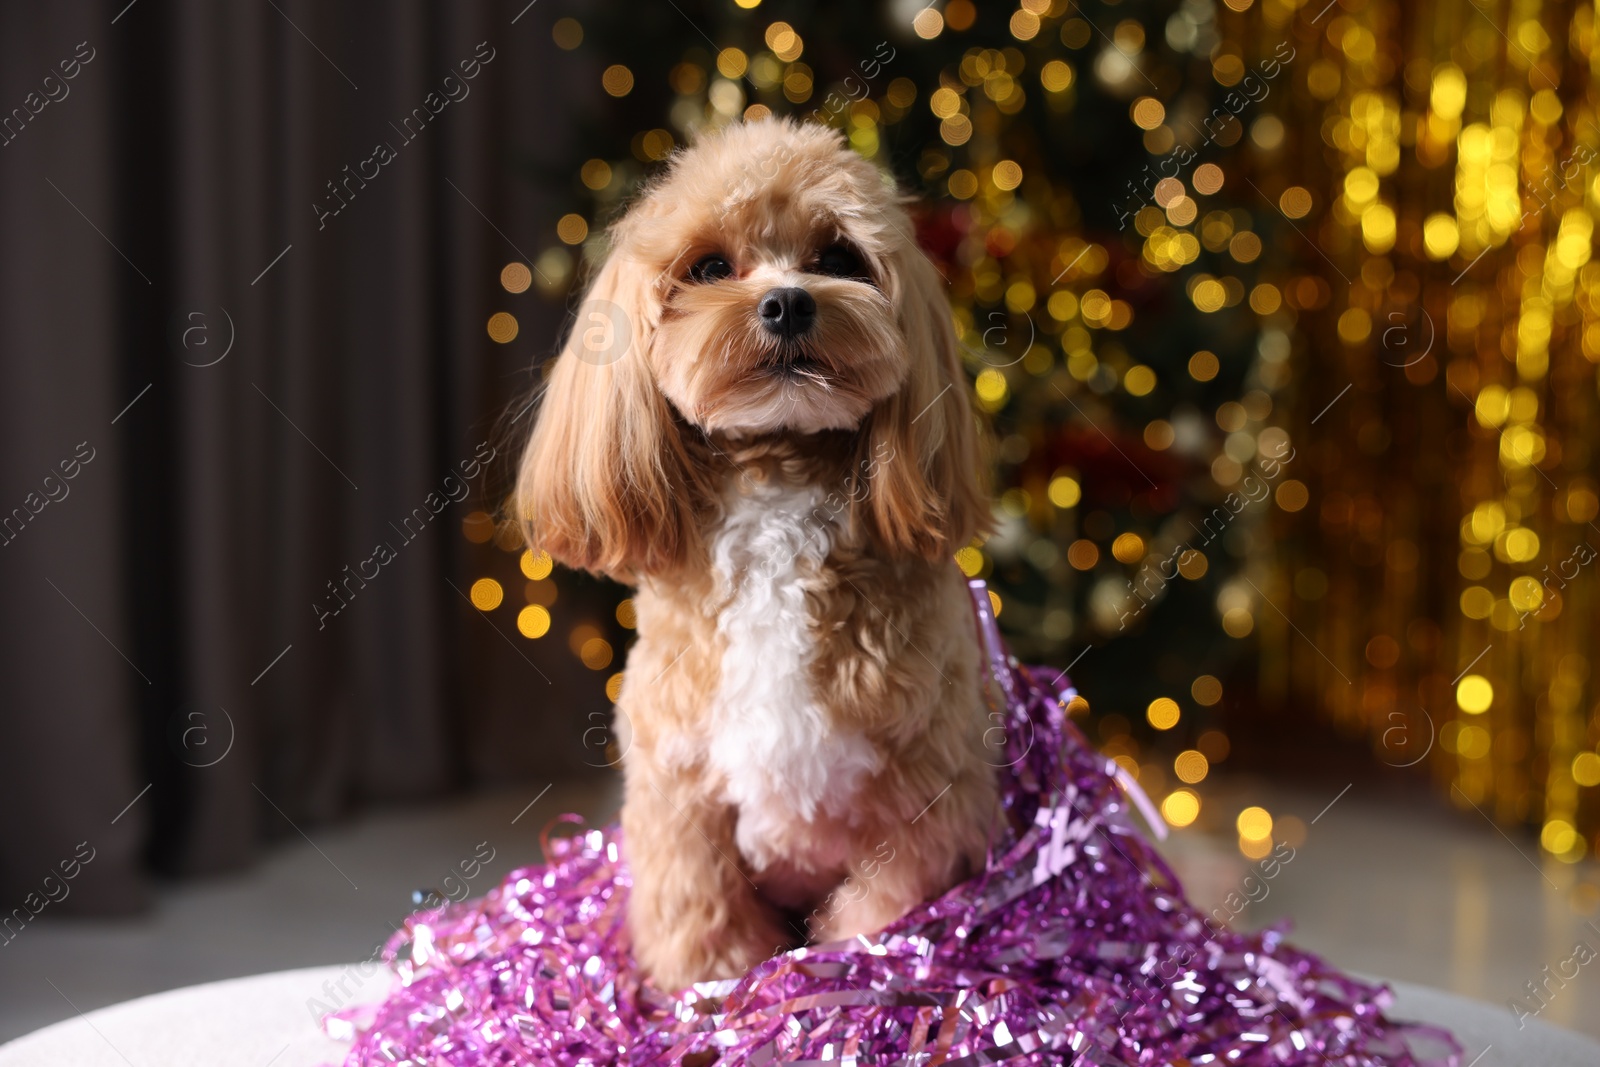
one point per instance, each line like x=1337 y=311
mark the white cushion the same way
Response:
x=268 y=1020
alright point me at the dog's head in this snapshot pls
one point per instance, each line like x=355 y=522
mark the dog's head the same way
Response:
x=767 y=285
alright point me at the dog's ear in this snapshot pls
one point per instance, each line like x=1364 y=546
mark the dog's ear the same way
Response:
x=606 y=484
x=923 y=458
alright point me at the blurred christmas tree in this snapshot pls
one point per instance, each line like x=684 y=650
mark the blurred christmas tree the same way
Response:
x=1085 y=170
x=1137 y=205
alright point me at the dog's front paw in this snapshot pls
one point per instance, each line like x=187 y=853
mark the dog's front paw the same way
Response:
x=750 y=943
x=706 y=944
x=864 y=916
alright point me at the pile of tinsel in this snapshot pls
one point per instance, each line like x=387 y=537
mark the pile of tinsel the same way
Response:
x=1075 y=945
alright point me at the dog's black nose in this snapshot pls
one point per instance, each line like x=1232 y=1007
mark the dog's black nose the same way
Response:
x=787 y=312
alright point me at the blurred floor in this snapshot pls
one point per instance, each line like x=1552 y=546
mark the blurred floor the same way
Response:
x=1385 y=883
x=1396 y=883
x=332 y=899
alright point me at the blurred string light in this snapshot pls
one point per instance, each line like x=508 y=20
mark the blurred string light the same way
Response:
x=1436 y=572
x=478 y=527
x=1163 y=713
x=533 y=621
x=486 y=594
x=515 y=277
x=1181 y=807
x=1255 y=832
x=567 y=33
x=617 y=80
x=502 y=327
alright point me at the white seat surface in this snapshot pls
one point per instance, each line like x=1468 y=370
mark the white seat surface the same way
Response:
x=267 y=1020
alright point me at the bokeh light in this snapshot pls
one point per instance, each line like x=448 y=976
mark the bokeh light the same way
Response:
x=486 y=594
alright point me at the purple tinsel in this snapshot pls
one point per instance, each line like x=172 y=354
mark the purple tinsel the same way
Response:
x=1075 y=945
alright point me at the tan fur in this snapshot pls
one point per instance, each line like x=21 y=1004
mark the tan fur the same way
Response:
x=627 y=473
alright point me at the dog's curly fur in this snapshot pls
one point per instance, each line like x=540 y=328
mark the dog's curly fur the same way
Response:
x=804 y=698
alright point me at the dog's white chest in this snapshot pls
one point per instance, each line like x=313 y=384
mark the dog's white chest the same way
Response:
x=771 y=739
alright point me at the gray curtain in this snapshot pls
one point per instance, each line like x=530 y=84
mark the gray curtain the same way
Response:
x=176 y=594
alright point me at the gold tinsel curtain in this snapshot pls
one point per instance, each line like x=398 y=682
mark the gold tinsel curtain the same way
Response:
x=1438 y=595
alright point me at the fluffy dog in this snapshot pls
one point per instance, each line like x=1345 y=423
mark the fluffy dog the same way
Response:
x=761 y=420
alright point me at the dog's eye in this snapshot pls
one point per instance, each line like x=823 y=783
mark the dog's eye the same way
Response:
x=711 y=268
x=841 y=261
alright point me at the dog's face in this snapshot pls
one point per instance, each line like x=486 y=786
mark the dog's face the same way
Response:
x=775 y=259
x=769 y=284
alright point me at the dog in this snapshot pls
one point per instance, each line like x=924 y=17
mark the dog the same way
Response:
x=761 y=420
